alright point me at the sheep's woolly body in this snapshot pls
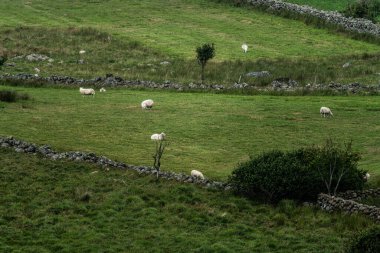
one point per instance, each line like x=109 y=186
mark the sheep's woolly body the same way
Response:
x=198 y=174
x=147 y=104
x=86 y=91
x=244 y=47
x=102 y=90
x=158 y=137
x=325 y=111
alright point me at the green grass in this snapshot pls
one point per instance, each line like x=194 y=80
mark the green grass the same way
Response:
x=134 y=60
x=207 y=132
x=176 y=27
x=44 y=209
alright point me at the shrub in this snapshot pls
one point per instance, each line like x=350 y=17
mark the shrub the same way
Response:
x=300 y=174
x=12 y=96
x=368 y=9
x=367 y=242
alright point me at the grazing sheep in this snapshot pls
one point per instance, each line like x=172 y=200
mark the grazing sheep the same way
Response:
x=147 y=104
x=158 y=137
x=367 y=176
x=244 y=47
x=325 y=111
x=197 y=174
x=102 y=90
x=82 y=52
x=88 y=91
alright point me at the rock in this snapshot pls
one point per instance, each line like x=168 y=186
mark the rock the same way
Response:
x=346 y=65
x=258 y=74
x=37 y=57
x=164 y=63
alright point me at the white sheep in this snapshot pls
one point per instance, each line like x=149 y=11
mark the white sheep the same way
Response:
x=197 y=174
x=325 y=111
x=367 y=176
x=82 y=52
x=158 y=137
x=87 y=91
x=102 y=90
x=244 y=47
x=147 y=104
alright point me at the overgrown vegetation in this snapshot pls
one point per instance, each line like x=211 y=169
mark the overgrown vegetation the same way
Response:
x=365 y=242
x=300 y=174
x=66 y=206
x=368 y=9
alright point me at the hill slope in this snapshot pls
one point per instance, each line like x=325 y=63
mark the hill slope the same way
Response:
x=58 y=206
x=176 y=27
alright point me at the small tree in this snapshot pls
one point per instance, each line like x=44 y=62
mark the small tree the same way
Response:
x=334 y=163
x=205 y=53
x=160 y=148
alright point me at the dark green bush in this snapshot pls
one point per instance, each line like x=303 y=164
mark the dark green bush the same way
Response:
x=12 y=96
x=366 y=242
x=300 y=175
x=368 y=9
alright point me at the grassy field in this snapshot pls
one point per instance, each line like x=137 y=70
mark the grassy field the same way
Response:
x=58 y=206
x=176 y=27
x=209 y=132
x=134 y=60
x=132 y=42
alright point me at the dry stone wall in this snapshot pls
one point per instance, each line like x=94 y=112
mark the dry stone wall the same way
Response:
x=331 y=203
x=351 y=24
x=48 y=152
x=282 y=84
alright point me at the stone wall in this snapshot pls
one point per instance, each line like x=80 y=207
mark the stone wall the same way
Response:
x=351 y=24
x=282 y=84
x=331 y=203
x=46 y=151
x=358 y=195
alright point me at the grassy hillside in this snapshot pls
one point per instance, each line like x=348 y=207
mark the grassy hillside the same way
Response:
x=134 y=60
x=209 y=132
x=131 y=39
x=74 y=207
x=176 y=27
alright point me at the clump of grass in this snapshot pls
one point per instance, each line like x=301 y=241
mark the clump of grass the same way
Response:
x=12 y=96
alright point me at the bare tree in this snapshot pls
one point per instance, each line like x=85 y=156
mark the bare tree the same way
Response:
x=160 y=148
x=334 y=164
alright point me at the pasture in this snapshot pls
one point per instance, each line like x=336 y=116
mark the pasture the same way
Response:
x=65 y=206
x=61 y=206
x=207 y=132
x=132 y=38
